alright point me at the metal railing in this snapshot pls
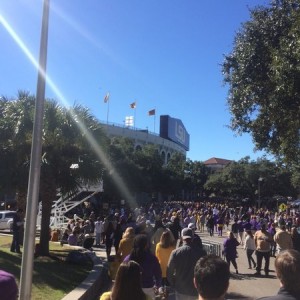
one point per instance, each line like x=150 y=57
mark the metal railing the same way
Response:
x=212 y=247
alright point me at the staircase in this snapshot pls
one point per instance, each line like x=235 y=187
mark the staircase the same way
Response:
x=66 y=203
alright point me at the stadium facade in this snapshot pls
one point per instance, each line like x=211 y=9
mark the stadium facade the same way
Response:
x=172 y=137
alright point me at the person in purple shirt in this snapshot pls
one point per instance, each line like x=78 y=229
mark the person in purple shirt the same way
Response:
x=253 y=223
x=230 y=252
x=148 y=262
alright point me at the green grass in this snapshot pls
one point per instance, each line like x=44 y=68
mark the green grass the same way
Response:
x=53 y=277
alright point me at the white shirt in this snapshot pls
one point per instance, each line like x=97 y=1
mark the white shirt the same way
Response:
x=249 y=243
x=99 y=227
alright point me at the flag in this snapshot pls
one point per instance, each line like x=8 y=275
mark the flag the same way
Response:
x=151 y=112
x=106 y=98
x=133 y=105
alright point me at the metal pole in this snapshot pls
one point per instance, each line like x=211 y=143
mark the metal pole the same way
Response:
x=107 y=111
x=260 y=179
x=258 y=193
x=35 y=165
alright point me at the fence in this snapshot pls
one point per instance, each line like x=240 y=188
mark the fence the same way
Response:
x=212 y=247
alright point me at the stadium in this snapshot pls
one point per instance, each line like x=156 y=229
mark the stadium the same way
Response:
x=173 y=136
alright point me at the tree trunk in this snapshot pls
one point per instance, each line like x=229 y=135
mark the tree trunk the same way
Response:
x=48 y=193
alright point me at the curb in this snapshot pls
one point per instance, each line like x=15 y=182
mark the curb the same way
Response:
x=92 y=286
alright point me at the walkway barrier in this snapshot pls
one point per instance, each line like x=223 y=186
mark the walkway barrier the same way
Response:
x=212 y=247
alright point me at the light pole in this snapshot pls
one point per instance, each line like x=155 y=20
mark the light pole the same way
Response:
x=35 y=165
x=260 y=179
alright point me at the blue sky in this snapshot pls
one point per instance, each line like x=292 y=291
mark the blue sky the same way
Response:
x=163 y=54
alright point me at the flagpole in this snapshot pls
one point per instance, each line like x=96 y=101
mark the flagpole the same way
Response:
x=107 y=109
x=135 y=115
x=154 y=121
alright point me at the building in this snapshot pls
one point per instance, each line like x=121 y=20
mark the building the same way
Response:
x=172 y=138
x=216 y=164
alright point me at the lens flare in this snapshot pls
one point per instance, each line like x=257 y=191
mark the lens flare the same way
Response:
x=101 y=155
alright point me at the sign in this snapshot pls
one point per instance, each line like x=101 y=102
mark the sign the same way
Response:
x=174 y=130
x=282 y=206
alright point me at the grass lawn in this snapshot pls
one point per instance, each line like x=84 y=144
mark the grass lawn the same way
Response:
x=53 y=277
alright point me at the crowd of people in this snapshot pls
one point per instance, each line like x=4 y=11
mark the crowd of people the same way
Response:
x=173 y=247
x=158 y=246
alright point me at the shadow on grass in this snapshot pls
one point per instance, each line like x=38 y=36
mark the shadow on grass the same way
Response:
x=51 y=272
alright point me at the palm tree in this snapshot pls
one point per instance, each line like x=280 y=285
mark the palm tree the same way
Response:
x=16 y=122
x=64 y=143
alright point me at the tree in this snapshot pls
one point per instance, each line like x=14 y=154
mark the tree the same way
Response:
x=64 y=143
x=263 y=75
x=16 y=123
x=240 y=180
x=196 y=175
x=174 y=175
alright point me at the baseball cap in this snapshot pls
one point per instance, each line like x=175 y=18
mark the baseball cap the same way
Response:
x=187 y=233
x=8 y=286
x=191 y=226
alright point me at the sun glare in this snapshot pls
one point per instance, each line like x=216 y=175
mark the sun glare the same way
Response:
x=101 y=155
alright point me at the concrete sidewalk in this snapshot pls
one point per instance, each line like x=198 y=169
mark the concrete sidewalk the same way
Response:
x=242 y=286
x=245 y=283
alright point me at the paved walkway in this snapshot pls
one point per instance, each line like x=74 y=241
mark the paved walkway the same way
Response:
x=243 y=285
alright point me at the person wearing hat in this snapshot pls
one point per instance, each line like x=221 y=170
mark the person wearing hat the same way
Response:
x=196 y=238
x=180 y=269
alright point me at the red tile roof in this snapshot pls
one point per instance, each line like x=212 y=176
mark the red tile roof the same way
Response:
x=217 y=161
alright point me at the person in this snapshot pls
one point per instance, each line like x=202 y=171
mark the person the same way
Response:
x=151 y=272
x=249 y=246
x=180 y=269
x=202 y=221
x=88 y=242
x=235 y=228
x=263 y=240
x=16 y=227
x=8 y=286
x=283 y=239
x=196 y=238
x=163 y=252
x=99 y=228
x=287 y=267
x=127 y=285
x=230 y=252
x=175 y=227
x=296 y=238
x=240 y=230
x=126 y=244
x=272 y=231
x=158 y=231
x=117 y=236
x=109 y=238
x=220 y=225
x=73 y=238
x=210 y=225
x=211 y=278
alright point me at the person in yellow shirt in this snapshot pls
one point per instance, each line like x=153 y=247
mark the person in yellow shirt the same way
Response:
x=163 y=252
x=126 y=244
x=127 y=285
